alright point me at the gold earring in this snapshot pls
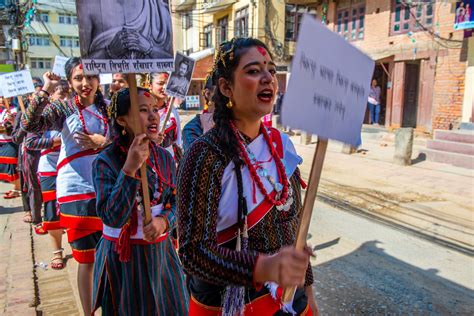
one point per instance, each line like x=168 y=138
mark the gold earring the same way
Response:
x=229 y=104
x=124 y=132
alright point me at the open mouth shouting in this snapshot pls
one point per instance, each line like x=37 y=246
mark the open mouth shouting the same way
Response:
x=266 y=95
x=152 y=128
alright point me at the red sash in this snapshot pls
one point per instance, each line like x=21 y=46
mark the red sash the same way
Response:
x=79 y=154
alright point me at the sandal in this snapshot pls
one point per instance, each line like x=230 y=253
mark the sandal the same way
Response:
x=39 y=229
x=27 y=217
x=12 y=194
x=57 y=262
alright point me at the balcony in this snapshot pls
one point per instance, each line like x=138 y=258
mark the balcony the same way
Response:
x=212 y=6
x=184 y=5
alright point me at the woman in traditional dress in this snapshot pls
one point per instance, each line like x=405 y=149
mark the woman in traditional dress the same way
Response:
x=137 y=270
x=8 y=151
x=84 y=127
x=239 y=198
x=158 y=82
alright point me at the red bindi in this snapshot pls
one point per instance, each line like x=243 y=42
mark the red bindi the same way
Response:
x=147 y=94
x=80 y=66
x=262 y=51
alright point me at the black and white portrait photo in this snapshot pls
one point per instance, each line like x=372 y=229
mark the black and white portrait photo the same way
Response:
x=180 y=78
x=125 y=36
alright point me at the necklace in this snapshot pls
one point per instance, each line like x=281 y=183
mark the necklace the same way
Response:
x=284 y=193
x=79 y=106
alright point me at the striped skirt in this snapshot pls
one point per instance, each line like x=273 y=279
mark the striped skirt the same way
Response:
x=8 y=162
x=151 y=283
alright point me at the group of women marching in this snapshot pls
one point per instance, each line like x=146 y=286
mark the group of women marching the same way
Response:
x=214 y=246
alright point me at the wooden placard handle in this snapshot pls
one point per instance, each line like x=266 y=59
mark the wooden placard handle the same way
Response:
x=139 y=129
x=168 y=115
x=310 y=198
x=22 y=105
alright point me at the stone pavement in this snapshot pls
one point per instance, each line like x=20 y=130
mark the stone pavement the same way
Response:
x=432 y=200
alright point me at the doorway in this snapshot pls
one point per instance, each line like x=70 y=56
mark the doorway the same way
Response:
x=382 y=79
x=410 y=100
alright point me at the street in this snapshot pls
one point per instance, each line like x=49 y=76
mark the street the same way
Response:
x=367 y=268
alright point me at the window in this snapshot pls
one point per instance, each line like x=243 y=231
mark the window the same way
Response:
x=293 y=17
x=67 y=19
x=222 y=28
x=207 y=36
x=39 y=40
x=350 y=22
x=410 y=17
x=187 y=21
x=42 y=17
x=242 y=22
x=68 y=41
x=40 y=63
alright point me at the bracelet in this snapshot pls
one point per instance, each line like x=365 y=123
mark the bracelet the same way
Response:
x=45 y=92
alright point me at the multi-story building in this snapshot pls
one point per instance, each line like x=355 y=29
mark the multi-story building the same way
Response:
x=54 y=31
x=422 y=63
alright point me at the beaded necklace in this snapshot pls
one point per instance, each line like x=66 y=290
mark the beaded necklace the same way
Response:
x=283 y=198
x=79 y=107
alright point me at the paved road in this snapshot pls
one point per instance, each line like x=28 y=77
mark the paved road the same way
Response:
x=367 y=268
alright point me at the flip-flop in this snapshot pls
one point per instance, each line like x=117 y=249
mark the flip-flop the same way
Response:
x=39 y=230
x=12 y=194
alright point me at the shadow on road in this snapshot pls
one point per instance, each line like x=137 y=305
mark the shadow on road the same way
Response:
x=368 y=281
x=421 y=157
x=10 y=210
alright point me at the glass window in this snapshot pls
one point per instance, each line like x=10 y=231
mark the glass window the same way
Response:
x=417 y=16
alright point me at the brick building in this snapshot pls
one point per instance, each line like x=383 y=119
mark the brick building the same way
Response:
x=421 y=60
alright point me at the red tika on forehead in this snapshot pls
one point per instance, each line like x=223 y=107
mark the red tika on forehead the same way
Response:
x=80 y=66
x=262 y=50
x=147 y=94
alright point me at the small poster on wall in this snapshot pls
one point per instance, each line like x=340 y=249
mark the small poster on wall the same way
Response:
x=463 y=18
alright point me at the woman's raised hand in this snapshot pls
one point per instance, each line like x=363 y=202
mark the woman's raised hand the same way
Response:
x=50 y=81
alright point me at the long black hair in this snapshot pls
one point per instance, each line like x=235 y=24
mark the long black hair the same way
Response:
x=226 y=61
x=99 y=101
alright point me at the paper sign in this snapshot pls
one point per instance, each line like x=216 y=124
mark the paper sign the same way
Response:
x=58 y=68
x=105 y=78
x=16 y=83
x=180 y=78
x=329 y=85
x=129 y=36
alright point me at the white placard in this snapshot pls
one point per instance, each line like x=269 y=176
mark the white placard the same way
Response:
x=58 y=68
x=16 y=83
x=105 y=78
x=329 y=85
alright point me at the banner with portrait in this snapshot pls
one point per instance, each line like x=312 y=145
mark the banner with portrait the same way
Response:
x=129 y=36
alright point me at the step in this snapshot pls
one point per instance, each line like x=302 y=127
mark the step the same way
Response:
x=448 y=146
x=455 y=159
x=467 y=126
x=461 y=136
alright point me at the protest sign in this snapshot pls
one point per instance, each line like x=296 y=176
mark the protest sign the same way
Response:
x=130 y=36
x=180 y=78
x=58 y=67
x=106 y=78
x=16 y=83
x=330 y=83
x=327 y=96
